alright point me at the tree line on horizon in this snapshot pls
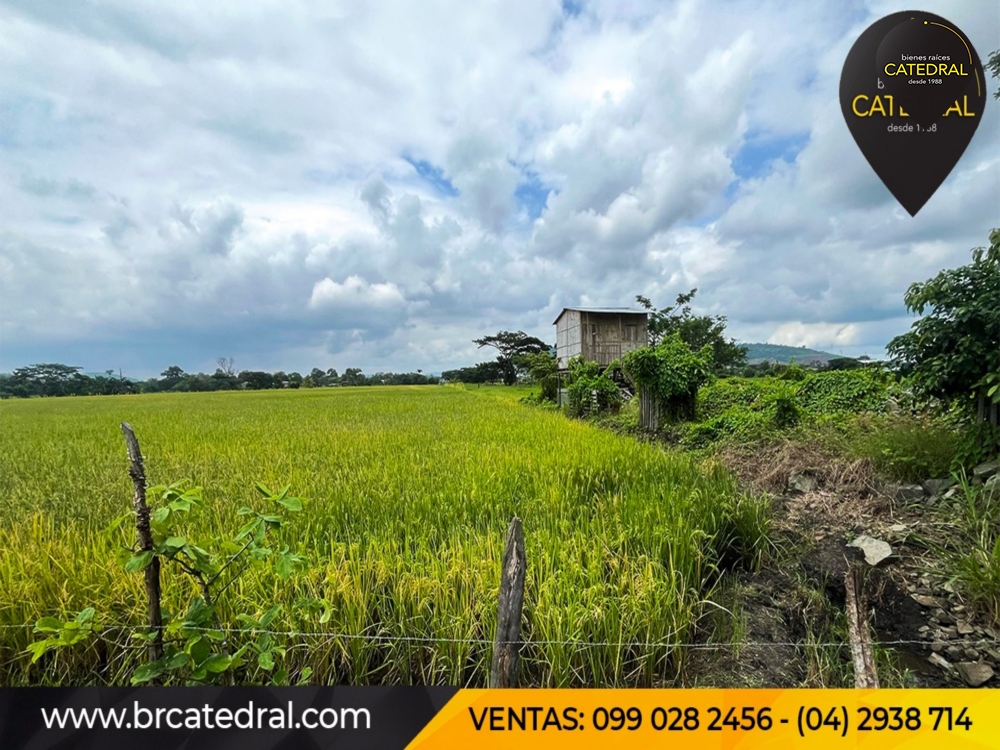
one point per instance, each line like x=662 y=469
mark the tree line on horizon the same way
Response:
x=56 y=379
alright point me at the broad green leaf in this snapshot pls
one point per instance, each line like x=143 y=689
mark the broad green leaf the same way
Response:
x=199 y=613
x=147 y=672
x=269 y=616
x=85 y=615
x=199 y=649
x=175 y=542
x=293 y=504
x=265 y=660
x=139 y=561
x=251 y=527
x=217 y=663
x=48 y=625
x=178 y=660
x=287 y=563
x=38 y=648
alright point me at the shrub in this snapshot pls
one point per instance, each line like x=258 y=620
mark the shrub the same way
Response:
x=672 y=373
x=591 y=390
x=845 y=391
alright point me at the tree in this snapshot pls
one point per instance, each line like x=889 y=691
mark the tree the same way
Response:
x=353 y=376
x=543 y=368
x=843 y=363
x=52 y=379
x=256 y=380
x=953 y=351
x=511 y=346
x=171 y=377
x=227 y=365
x=697 y=331
x=484 y=372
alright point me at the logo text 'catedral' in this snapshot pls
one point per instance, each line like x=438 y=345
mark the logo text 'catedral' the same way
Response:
x=912 y=92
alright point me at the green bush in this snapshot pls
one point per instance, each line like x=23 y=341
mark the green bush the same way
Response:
x=591 y=390
x=672 y=373
x=845 y=391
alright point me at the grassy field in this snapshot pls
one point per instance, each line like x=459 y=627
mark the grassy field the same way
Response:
x=408 y=491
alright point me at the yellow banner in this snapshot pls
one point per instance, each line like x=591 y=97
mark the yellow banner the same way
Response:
x=715 y=718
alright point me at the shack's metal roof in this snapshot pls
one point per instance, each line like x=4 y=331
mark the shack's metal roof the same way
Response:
x=612 y=310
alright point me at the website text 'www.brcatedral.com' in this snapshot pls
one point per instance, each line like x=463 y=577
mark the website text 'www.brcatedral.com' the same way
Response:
x=207 y=717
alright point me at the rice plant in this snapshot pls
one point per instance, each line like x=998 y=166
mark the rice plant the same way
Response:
x=409 y=492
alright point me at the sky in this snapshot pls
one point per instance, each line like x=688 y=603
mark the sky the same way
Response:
x=356 y=184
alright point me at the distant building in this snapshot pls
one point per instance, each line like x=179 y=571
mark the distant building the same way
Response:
x=599 y=335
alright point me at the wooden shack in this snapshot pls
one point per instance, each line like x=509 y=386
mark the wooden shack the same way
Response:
x=599 y=335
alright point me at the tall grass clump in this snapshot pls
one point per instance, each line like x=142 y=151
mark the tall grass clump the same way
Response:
x=973 y=552
x=409 y=492
x=903 y=447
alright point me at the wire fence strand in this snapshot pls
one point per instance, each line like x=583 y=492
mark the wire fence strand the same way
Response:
x=531 y=642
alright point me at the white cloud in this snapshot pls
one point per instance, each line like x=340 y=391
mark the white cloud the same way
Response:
x=353 y=293
x=795 y=333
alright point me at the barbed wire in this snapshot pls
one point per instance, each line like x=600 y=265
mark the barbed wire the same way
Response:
x=543 y=642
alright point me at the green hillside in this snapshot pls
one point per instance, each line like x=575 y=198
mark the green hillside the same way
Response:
x=783 y=354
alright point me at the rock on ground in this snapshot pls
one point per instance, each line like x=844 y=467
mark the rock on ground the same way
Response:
x=875 y=549
x=974 y=673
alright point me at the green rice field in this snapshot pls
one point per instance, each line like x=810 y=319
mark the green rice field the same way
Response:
x=408 y=493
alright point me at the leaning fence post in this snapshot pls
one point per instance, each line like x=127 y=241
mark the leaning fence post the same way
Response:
x=145 y=537
x=507 y=644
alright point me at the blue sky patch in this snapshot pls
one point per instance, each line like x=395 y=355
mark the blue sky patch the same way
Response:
x=572 y=8
x=433 y=176
x=532 y=195
x=758 y=152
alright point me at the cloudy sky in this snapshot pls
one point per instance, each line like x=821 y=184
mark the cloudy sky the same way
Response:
x=347 y=183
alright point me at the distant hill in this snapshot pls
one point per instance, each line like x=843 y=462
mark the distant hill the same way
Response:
x=757 y=353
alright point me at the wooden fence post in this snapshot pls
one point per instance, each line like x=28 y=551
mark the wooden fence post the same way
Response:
x=507 y=644
x=862 y=655
x=145 y=537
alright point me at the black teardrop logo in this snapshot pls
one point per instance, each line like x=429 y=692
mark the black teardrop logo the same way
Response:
x=912 y=91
